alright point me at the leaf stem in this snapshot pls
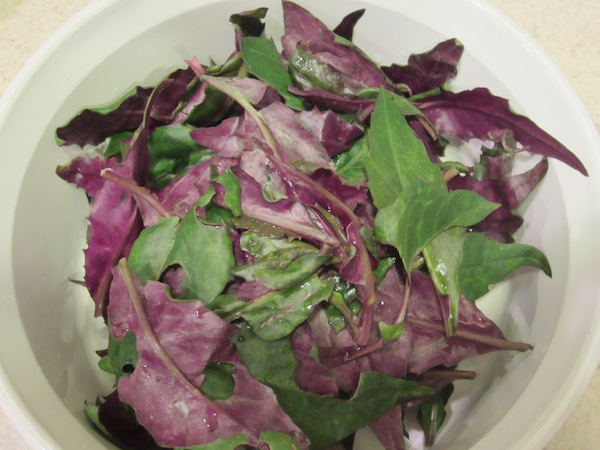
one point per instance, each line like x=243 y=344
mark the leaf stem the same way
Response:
x=136 y=300
x=429 y=127
x=136 y=190
x=402 y=314
x=451 y=374
x=450 y=173
x=501 y=344
x=235 y=94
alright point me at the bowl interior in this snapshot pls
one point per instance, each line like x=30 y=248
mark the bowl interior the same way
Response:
x=50 y=369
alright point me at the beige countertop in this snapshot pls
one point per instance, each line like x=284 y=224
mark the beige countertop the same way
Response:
x=568 y=31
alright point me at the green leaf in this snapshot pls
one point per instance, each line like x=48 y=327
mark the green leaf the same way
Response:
x=226 y=305
x=392 y=332
x=382 y=268
x=486 y=262
x=307 y=71
x=327 y=420
x=347 y=290
x=406 y=107
x=443 y=256
x=432 y=413
x=216 y=215
x=260 y=245
x=218 y=381
x=284 y=268
x=342 y=305
x=147 y=259
x=336 y=319
x=420 y=214
x=278 y=313
x=279 y=263
x=172 y=151
x=397 y=157
x=340 y=313
x=324 y=419
x=216 y=104
x=260 y=227
x=409 y=190
x=351 y=164
x=122 y=356
x=172 y=141
x=117 y=144
x=278 y=441
x=264 y=61
x=206 y=262
x=270 y=362
x=232 y=443
x=232 y=192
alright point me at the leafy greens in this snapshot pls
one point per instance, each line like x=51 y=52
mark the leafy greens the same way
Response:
x=281 y=249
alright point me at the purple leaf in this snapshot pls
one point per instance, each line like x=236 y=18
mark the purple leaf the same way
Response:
x=114 y=226
x=174 y=277
x=478 y=113
x=433 y=146
x=230 y=138
x=351 y=196
x=256 y=91
x=339 y=354
x=356 y=70
x=148 y=205
x=93 y=126
x=311 y=376
x=164 y=389
x=333 y=352
x=345 y=28
x=286 y=214
x=259 y=166
x=85 y=173
x=114 y=219
x=334 y=133
x=431 y=347
x=389 y=429
x=504 y=189
x=181 y=195
x=306 y=32
x=294 y=142
x=391 y=359
x=122 y=426
x=172 y=95
x=325 y=191
x=301 y=25
x=422 y=345
x=429 y=70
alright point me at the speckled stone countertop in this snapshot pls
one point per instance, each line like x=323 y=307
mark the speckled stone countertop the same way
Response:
x=567 y=31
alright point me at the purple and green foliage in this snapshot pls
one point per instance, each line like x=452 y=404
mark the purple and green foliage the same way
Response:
x=281 y=249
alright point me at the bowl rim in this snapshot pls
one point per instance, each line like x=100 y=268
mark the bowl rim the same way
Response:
x=22 y=417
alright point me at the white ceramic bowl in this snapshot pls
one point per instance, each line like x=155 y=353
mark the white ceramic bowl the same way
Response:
x=47 y=333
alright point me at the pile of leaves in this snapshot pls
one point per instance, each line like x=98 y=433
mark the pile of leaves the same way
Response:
x=280 y=250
